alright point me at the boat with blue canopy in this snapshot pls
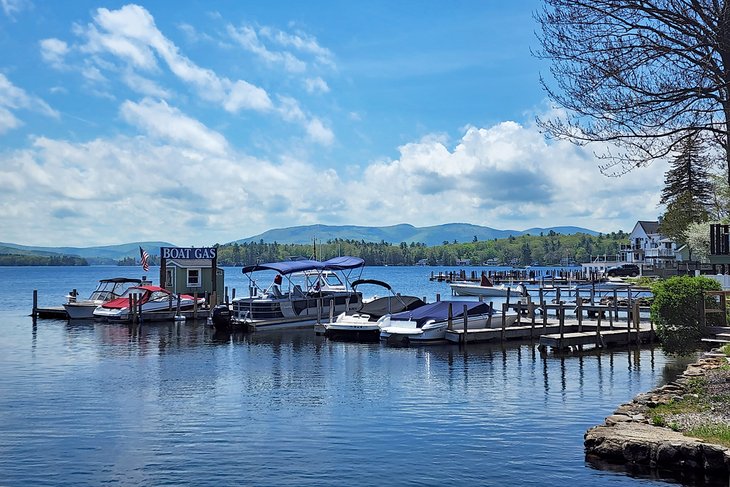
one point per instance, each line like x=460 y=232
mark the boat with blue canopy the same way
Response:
x=301 y=292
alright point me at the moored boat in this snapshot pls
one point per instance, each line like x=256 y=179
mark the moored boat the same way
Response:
x=150 y=298
x=486 y=288
x=107 y=290
x=363 y=324
x=430 y=322
x=314 y=290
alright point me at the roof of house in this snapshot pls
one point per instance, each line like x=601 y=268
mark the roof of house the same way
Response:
x=650 y=228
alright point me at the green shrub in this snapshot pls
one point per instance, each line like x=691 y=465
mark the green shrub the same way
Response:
x=677 y=311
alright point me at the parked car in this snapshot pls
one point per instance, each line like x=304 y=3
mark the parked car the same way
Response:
x=622 y=270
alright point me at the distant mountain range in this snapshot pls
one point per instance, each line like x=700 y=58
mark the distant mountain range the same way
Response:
x=435 y=235
x=395 y=234
x=108 y=254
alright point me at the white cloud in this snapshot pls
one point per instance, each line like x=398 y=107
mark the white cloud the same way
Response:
x=131 y=35
x=14 y=98
x=504 y=176
x=144 y=85
x=54 y=51
x=12 y=7
x=162 y=121
x=301 y=42
x=316 y=85
x=247 y=38
x=8 y=121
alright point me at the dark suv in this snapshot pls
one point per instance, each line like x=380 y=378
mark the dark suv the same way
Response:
x=631 y=270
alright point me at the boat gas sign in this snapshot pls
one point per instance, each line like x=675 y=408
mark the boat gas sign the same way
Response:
x=188 y=252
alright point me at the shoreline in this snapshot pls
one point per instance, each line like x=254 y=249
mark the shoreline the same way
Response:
x=631 y=437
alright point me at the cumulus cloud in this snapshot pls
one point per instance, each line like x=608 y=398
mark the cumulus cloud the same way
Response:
x=504 y=176
x=160 y=120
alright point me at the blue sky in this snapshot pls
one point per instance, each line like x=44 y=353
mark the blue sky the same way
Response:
x=197 y=122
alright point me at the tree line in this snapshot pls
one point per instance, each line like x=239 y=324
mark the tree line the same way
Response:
x=545 y=249
x=41 y=260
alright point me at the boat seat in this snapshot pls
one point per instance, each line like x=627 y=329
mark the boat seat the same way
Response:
x=275 y=292
x=297 y=291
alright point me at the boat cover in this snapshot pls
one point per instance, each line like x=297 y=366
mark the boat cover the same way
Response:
x=378 y=308
x=121 y=279
x=439 y=311
x=291 y=266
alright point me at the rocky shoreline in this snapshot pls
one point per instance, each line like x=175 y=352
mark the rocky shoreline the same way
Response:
x=630 y=436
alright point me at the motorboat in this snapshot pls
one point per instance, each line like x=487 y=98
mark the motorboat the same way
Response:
x=107 y=290
x=429 y=323
x=486 y=288
x=313 y=290
x=150 y=298
x=363 y=324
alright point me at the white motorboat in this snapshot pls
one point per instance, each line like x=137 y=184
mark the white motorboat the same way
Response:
x=363 y=324
x=150 y=298
x=430 y=322
x=486 y=288
x=314 y=291
x=107 y=290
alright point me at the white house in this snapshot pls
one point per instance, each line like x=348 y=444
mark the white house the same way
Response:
x=648 y=246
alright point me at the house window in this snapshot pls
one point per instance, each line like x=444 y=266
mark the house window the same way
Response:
x=193 y=277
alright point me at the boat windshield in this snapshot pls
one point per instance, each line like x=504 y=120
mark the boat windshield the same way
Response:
x=324 y=280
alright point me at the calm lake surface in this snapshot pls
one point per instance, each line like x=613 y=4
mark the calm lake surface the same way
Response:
x=174 y=404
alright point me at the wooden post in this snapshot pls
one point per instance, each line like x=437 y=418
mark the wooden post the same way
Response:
x=132 y=308
x=531 y=311
x=489 y=318
x=723 y=303
x=450 y=318
x=233 y=294
x=505 y=308
x=319 y=310
x=561 y=325
x=636 y=322
x=615 y=305
x=332 y=310
x=35 y=304
x=599 y=340
x=466 y=324
x=169 y=302
x=177 y=308
x=438 y=297
x=195 y=305
x=579 y=310
x=519 y=311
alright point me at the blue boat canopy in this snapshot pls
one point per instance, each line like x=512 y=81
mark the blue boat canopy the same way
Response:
x=439 y=311
x=291 y=266
x=343 y=263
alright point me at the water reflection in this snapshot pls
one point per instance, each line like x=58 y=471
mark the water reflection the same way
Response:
x=293 y=400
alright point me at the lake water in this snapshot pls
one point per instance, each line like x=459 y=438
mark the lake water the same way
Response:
x=175 y=404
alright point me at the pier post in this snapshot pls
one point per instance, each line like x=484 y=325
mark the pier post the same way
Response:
x=466 y=324
x=561 y=324
x=636 y=322
x=35 y=304
x=489 y=318
x=531 y=311
x=233 y=294
x=579 y=310
x=332 y=310
x=195 y=305
x=505 y=308
x=438 y=297
x=450 y=318
x=599 y=339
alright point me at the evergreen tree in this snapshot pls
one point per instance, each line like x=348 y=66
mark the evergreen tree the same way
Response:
x=689 y=174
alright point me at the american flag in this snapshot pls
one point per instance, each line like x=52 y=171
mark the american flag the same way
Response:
x=144 y=256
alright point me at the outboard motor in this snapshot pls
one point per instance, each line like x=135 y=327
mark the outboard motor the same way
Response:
x=221 y=317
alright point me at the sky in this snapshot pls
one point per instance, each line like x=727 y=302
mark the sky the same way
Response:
x=197 y=122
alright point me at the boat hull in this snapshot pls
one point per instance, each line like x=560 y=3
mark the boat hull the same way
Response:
x=81 y=310
x=467 y=289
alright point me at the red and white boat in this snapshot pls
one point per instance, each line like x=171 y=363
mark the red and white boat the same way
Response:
x=151 y=298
